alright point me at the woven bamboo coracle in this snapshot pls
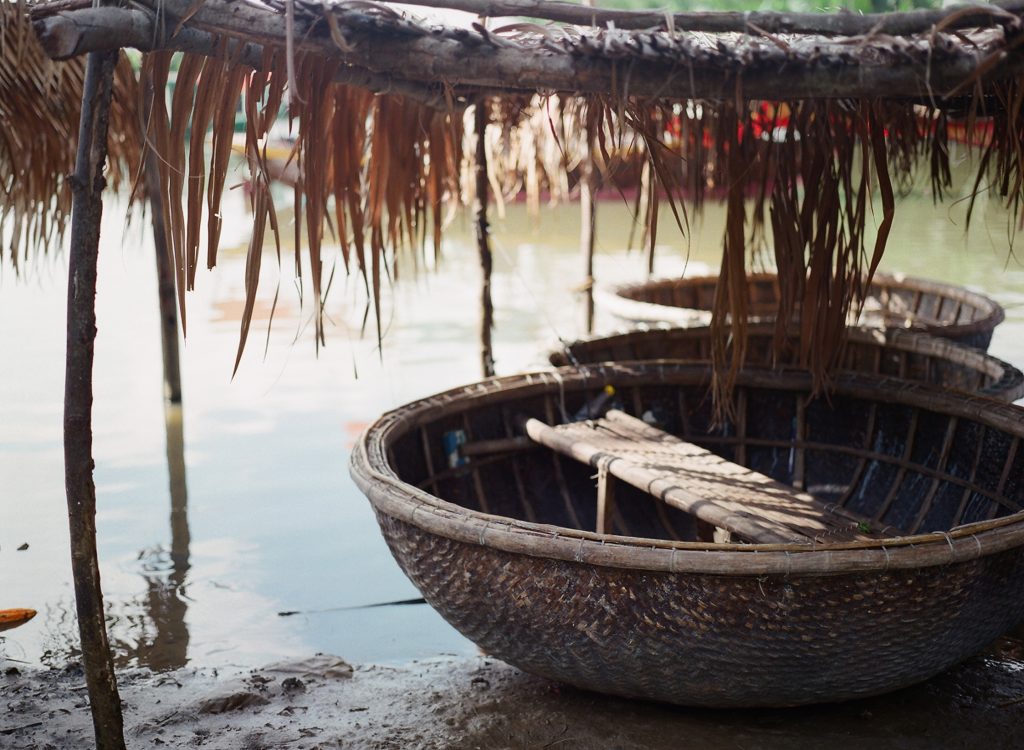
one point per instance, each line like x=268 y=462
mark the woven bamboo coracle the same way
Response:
x=894 y=301
x=892 y=352
x=502 y=545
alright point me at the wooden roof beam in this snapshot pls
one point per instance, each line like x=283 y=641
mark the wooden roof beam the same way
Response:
x=77 y=31
x=899 y=23
x=644 y=66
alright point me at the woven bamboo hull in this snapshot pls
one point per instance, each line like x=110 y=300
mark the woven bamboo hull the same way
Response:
x=502 y=547
x=893 y=301
x=893 y=353
x=716 y=641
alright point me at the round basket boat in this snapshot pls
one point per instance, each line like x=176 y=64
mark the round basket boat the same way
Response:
x=893 y=301
x=891 y=352
x=498 y=536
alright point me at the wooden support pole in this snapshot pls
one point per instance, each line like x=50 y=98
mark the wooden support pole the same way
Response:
x=87 y=208
x=164 y=270
x=649 y=235
x=588 y=221
x=483 y=241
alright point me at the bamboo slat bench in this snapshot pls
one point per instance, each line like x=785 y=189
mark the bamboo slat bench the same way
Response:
x=744 y=502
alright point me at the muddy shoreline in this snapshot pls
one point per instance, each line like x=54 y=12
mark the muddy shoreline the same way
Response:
x=323 y=702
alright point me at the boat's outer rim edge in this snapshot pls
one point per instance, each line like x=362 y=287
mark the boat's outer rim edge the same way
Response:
x=400 y=500
x=1007 y=387
x=639 y=311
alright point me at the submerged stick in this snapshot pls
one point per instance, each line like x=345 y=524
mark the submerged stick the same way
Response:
x=483 y=241
x=87 y=208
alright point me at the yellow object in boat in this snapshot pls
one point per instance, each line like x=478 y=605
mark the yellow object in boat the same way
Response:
x=12 y=618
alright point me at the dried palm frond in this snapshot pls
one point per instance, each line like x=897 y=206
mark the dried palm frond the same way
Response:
x=381 y=168
x=386 y=163
x=40 y=102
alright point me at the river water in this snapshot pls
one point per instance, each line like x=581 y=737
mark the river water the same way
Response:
x=215 y=519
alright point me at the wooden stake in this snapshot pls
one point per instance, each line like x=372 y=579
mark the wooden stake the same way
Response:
x=588 y=222
x=483 y=242
x=649 y=235
x=588 y=226
x=87 y=208
x=605 y=499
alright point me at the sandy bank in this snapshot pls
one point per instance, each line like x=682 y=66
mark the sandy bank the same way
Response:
x=322 y=702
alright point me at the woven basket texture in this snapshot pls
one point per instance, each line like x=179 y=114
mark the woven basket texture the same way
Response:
x=503 y=546
x=717 y=641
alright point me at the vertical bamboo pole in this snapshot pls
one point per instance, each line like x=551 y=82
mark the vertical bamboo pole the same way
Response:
x=588 y=222
x=650 y=214
x=588 y=225
x=483 y=241
x=87 y=209
x=166 y=294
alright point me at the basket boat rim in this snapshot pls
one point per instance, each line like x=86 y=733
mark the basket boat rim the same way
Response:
x=617 y=300
x=373 y=472
x=1008 y=386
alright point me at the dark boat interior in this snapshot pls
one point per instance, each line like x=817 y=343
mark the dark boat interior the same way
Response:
x=909 y=465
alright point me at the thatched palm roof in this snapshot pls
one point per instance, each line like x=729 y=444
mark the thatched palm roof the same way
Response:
x=762 y=104
x=39 y=106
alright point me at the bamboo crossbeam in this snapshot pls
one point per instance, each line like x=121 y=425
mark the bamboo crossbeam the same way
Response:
x=498 y=445
x=901 y=23
x=695 y=480
x=646 y=66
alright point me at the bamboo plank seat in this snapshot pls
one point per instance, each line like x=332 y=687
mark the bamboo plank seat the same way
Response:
x=749 y=504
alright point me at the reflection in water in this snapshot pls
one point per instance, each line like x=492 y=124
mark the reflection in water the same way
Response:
x=148 y=630
x=166 y=602
x=60 y=622
x=157 y=629
x=179 y=490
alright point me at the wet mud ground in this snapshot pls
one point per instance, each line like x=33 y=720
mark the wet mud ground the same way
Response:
x=322 y=702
